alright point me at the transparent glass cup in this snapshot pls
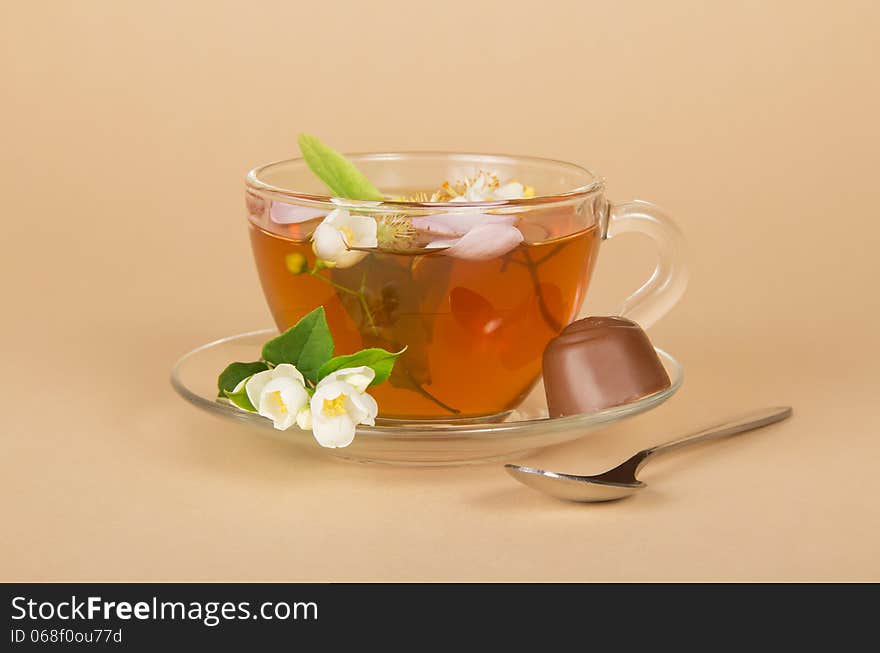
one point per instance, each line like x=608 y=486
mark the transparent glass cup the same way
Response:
x=473 y=290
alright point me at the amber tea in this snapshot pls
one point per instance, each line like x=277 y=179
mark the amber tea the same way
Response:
x=474 y=330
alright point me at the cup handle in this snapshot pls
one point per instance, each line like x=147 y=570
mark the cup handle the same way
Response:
x=668 y=282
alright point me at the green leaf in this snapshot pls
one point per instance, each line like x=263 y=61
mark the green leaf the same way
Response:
x=240 y=399
x=341 y=176
x=380 y=360
x=235 y=373
x=307 y=344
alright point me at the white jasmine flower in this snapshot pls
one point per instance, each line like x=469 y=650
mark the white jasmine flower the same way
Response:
x=483 y=187
x=285 y=402
x=340 y=404
x=512 y=191
x=279 y=394
x=479 y=189
x=360 y=377
x=338 y=233
x=304 y=418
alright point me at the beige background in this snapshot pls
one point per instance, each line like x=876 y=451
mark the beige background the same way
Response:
x=127 y=128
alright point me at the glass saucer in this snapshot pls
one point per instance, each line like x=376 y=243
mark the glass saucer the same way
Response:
x=399 y=442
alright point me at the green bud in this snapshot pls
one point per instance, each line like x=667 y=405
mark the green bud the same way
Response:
x=295 y=263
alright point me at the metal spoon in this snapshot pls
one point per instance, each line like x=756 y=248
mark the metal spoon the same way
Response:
x=621 y=481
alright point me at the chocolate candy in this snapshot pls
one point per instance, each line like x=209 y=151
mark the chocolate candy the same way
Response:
x=598 y=362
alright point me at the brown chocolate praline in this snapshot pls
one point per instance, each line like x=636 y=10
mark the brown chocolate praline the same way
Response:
x=599 y=362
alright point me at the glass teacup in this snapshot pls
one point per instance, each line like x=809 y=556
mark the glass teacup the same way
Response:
x=473 y=289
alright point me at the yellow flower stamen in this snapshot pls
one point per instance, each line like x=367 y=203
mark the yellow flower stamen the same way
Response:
x=420 y=196
x=449 y=191
x=275 y=397
x=347 y=235
x=334 y=407
x=394 y=230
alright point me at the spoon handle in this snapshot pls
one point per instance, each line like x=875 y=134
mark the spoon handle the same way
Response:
x=754 y=419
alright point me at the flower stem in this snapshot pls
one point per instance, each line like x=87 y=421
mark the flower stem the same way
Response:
x=427 y=395
x=357 y=293
x=552 y=252
x=532 y=266
x=314 y=273
x=362 y=298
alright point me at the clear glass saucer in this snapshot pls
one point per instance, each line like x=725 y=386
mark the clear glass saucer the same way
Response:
x=398 y=442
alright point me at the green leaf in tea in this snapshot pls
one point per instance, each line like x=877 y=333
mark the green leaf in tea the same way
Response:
x=395 y=290
x=307 y=344
x=380 y=360
x=235 y=373
x=341 y=175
